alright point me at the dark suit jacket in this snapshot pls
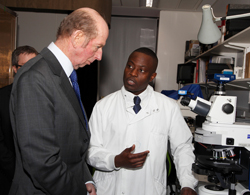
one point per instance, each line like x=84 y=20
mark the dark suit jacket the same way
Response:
x=7 y=151
x=50 y=134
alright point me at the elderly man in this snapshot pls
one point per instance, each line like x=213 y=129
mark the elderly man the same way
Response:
x=50 y=128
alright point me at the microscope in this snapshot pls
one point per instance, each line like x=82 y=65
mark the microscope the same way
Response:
x=222 y=145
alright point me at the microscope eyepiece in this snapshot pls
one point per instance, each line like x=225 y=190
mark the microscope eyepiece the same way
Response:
x=185 y=101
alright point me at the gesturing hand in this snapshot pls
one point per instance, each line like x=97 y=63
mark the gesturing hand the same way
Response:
x=129 y=160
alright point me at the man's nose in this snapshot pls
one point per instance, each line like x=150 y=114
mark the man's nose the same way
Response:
x=99 y=54
x=134 y=72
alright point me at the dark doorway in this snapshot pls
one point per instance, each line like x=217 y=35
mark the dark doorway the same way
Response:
x=87 y=79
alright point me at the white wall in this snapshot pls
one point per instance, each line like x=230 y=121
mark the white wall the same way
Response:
x=37 y=29
x=175 y=28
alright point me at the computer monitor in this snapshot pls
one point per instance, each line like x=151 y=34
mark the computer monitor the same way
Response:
x=185 y=73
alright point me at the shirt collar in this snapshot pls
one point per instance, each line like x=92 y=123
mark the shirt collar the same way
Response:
x=62 y=58
x=129 y=97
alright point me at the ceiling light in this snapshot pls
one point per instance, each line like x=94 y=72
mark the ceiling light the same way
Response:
x=148 y=3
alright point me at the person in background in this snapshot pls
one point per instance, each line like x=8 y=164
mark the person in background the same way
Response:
x=130 y=130
x=49 y=123
x=20 y=56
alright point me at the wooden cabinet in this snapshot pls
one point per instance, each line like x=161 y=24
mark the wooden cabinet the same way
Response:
x=7 y=44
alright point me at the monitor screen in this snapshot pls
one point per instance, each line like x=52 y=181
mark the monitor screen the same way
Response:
x=185 y=73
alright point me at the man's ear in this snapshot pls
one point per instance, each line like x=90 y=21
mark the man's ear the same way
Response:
x=153 y=76
x=77 y=38
x=15 y=69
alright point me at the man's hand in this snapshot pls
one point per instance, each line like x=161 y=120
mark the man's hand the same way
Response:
x=129 y=160
x=187 y=191
x=91 y=189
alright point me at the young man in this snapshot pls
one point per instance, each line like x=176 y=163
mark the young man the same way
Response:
x=49 y=124
x=20 y=56
x=129 y=136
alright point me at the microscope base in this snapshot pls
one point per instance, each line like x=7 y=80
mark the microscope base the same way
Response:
x=202 y=190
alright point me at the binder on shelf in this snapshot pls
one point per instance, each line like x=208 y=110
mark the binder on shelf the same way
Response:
x=247 y=66
x=202 y=71
x=197 y=72
x=194 y=74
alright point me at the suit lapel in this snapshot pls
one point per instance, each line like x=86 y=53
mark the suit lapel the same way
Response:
x=64 y=83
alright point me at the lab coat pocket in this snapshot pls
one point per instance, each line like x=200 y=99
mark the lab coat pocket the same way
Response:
x=158 y=145
x=159 y=132
x=159 y=137
x=105 y=182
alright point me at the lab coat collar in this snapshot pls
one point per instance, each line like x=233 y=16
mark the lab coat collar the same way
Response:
x=129 y=97
x=150 y=105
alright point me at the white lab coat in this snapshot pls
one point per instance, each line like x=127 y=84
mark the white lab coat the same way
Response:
x=112 y=131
